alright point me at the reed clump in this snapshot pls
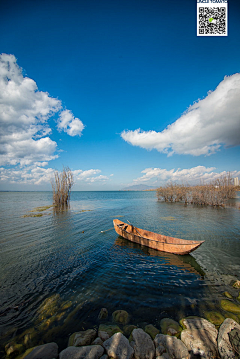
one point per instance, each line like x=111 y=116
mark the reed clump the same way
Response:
x=61 y=187
x=216 y=193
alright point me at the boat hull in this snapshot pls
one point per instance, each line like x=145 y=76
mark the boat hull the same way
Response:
x=155 y=240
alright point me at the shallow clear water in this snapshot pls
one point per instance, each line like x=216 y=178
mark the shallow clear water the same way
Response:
x=67 y=254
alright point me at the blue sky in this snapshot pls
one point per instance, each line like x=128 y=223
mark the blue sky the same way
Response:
x=122 y=92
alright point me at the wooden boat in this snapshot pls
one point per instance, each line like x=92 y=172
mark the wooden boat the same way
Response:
x=155 y=240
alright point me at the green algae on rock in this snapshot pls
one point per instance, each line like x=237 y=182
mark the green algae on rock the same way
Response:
x=170 y=327
x=13 y=349
x=151 y=330
x=120 y=316
x=215 y=318
x=127 y=329
x=228 y=295
x=230 y=306
x=109 y=329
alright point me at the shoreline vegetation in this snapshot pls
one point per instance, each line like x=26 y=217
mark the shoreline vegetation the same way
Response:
x=215 y=194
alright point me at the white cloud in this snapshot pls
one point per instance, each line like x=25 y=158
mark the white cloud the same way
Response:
x=188 y=175
x=70 y=124
x=89 y=176
x=202 y=129
x=24 y=115
x=36 y=174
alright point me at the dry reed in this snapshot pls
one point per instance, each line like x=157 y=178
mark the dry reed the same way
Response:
x=61 y=187
x=213 y=194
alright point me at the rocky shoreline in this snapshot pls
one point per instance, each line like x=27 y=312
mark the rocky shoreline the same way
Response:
x=193 y=337
x=198 y=338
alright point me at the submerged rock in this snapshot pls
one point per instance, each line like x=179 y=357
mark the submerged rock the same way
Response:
x=230 y=306
x=45 y=351
x=215 y=318
x=170 y=327
x=118 y=347
x=120 y=316
x=103 y=314
x=225 y=348
x=228 y=295
x=109 y=329
x=200 y=337
x=169 y=346
x=151 y=330
x=236 y=284
x=142 y=344
x=88 y=352
x=49 y=307
x=13 y=349
x=82 y=338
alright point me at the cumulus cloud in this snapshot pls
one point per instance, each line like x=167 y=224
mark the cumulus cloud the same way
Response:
x=187 y=175
x=36 y=174
x=24 y=115
x=70 y=124
x=205 y=126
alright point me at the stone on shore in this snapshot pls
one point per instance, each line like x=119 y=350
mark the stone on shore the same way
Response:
x=97 y=341
x=82 y=338
x=142 y=344
x=109 y=329
x=170 y=327
x=200 y=337
x=151 y=330
x=170 y=346
x=230 y=306
x=225 y=348
x=45 y=351
x=103 y=335
x=103 y=314
x=118 y=347
x=120 y=316
x=86 y=352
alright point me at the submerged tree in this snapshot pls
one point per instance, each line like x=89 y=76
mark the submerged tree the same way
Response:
x=61 y=187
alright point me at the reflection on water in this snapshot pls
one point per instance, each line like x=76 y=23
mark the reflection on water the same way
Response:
x=184 y=262
x=76 y=257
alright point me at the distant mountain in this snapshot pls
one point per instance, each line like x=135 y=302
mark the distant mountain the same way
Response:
x=138 y=187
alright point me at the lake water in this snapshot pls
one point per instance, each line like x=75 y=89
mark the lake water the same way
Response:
x=69 y=255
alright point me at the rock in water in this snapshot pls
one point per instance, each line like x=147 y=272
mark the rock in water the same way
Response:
x=82 y=338
x=118 y=347
x=200 y=337
x=109 y=329
x=170 y=346
x=142 y=344
x=120 y=316
x=230 y=306
x=45 y=351
x=103 y=314
x=225 y=348
x=88 y=352
x=151 y=330
x=170 y=327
